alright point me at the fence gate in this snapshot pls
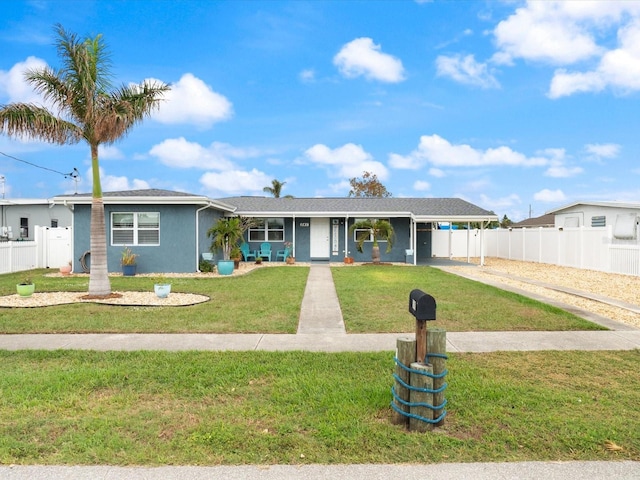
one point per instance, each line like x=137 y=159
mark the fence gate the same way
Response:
x=57 y=246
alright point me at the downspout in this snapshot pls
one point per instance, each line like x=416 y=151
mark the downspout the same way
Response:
x=198 y=236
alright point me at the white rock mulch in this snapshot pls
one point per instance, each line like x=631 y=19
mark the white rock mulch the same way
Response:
x=625 y=288
x=45 y=299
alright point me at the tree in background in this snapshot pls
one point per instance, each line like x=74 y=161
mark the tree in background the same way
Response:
x=367 y=187
x=505 y=222
x=276 y=189
x=84 y=109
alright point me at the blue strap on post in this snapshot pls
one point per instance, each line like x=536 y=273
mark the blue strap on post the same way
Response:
x=396 y=398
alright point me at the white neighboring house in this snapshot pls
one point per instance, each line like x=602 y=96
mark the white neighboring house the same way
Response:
x=623 y=218
x=19 y=216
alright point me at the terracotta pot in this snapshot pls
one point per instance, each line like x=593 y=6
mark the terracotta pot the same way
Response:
x=65 y=269
x=290 y=260
x=348 y=260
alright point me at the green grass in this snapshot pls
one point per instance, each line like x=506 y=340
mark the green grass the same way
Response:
x=266 y=300
x=209 y=408
x=376 y=299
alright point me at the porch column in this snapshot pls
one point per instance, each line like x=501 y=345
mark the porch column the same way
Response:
x=293 y=236
x=346 y=236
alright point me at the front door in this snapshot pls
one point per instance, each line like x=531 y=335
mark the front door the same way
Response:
x=320 y=245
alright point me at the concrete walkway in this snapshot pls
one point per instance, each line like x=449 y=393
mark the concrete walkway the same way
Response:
x=320 y=310
x=321 y=328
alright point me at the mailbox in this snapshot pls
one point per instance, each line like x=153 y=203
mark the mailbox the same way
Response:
x=422 y=305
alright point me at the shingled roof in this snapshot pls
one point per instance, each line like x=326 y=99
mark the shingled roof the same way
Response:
x=431 y=208
x=421 y=209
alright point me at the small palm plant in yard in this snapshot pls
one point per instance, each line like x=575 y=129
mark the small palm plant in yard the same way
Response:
x=373 y=230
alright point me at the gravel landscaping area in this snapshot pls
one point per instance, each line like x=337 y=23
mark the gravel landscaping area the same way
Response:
x=624 y=288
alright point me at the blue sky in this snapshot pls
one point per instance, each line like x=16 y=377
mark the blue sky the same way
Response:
x=514 y=106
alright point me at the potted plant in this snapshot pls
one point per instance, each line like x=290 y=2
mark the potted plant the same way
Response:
x=225 y=233
x=290 y=260
x=66 y=269
x=258 y=260
x=236 y=256
x=375 y=229
x=128 y=262
x=162 y=287
x=25 y=288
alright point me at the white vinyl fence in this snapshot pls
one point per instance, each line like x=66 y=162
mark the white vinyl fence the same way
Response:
x=592 y=248
x=51 y=248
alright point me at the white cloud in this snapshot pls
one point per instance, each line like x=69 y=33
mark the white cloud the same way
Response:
x=232 y=182
x=14 y=86
x=561 y=171
x=112 y=183
x=191 y=101
x=551 y=196
x=109 y=152
x=618 y=68
x=361 y=57
x=307 y=76
x=421 y=186
x=437 y=151
x=436 y=172
x=603 y=150
x=347 y=161
x=566 y=33
x=180 y=153
x=495 y=204
x=466 y=70
x=550 y=32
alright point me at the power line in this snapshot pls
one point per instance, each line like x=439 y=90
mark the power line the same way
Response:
x=74 y=174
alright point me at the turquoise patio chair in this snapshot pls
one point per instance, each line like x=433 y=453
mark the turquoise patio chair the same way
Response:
x=265 y=250
x=283 y=254
x=246 y=253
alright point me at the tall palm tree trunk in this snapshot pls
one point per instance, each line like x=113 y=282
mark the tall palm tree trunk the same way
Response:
x=99 y=284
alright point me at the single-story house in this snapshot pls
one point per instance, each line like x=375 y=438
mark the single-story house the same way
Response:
x=168 y=229
x=621 y=216
x=543 y=221
x=19 y=216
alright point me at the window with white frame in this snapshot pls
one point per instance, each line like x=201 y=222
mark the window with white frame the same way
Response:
x=135 y=228
x=267 y=230
x=365 y=231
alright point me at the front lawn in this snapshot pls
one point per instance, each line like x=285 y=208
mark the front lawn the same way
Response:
x=210 y=408
x=376 y=299
x=373 y=299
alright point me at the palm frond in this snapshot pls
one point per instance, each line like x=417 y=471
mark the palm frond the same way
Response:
x=33 y=121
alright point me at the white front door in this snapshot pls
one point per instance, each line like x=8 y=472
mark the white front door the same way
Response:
x=320 y=246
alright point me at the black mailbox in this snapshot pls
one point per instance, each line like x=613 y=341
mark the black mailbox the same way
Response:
x=422 y=305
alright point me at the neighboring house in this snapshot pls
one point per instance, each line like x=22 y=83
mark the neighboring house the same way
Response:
x=622 y=217
x=19 y=217
x=168 y=229
x=544 y=221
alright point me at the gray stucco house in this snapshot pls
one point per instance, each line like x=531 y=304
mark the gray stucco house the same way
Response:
x=168 y=229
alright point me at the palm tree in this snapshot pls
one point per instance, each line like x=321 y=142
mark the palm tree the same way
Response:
x=275 y=189
x=84 y=108
x=226 y=234
x=379 y=230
